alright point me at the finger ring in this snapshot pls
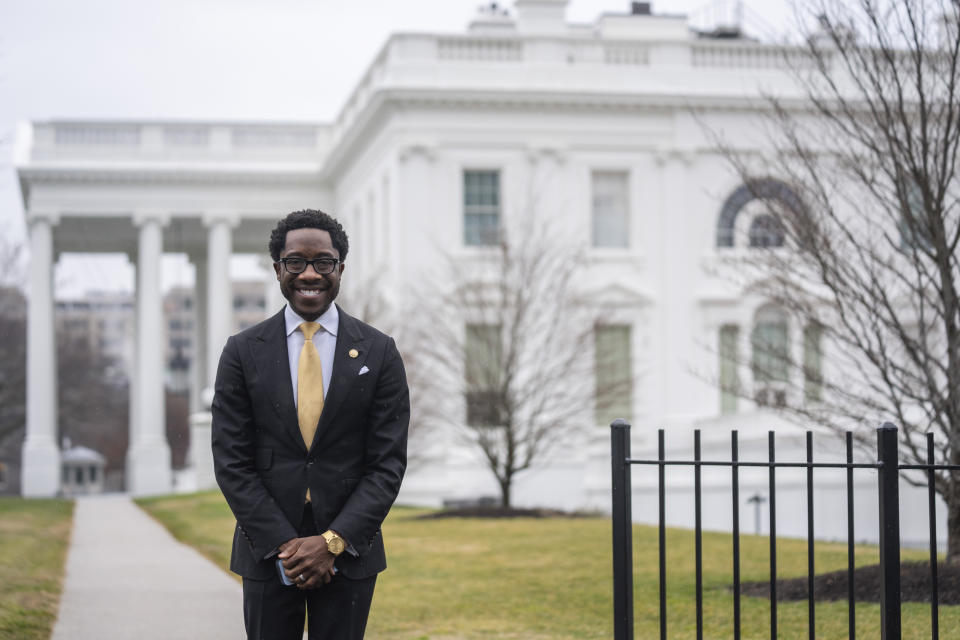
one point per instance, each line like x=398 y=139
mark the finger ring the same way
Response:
x=300 y=577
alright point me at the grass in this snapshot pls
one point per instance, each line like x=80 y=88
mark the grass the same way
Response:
x=34 y=535
x=551 y=578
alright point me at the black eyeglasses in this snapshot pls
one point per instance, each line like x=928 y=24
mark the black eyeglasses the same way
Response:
x=323 y=266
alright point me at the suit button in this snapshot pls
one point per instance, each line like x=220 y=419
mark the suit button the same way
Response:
x=309 y=463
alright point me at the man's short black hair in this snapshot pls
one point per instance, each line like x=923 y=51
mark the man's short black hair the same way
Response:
x=308 y=219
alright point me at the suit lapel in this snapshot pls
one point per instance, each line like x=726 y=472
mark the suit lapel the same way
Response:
x=349 y=356
x=273 y=364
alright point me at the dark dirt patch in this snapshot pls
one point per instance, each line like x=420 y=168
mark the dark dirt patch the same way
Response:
x=914 y=584
x=501 y=512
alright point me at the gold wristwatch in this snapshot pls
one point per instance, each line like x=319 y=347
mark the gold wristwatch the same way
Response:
x=335 y=544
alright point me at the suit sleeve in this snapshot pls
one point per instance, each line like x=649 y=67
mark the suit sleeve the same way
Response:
x=234 y=449
x=385 y=458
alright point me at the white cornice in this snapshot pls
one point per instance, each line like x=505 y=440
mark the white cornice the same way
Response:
x=147 y=175
x=383 y=100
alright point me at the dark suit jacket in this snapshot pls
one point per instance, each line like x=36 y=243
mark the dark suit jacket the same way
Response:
x=353 y=468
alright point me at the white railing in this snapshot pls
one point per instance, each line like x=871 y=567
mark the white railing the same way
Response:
x=276 y=137
x=626 y=54
x=104 y=139
x=186 y=136
x=484 y=49
x=97 y=134
x=746 y=56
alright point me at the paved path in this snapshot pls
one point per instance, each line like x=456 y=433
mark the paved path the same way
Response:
x=128 y=579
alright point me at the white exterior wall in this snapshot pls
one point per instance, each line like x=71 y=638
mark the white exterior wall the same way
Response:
x=546 y=107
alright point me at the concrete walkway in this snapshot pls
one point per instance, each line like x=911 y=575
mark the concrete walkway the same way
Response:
x=127 y=578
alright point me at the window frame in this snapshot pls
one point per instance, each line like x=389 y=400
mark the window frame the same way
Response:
x=619 y=405
x=495 y=212
x=624 y=218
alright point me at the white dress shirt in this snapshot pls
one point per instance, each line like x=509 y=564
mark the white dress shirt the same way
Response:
x=325 y=340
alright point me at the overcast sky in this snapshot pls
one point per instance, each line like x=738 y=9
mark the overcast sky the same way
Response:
x=274 y=60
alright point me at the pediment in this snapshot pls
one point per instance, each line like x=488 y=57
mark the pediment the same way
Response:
x=621 y=294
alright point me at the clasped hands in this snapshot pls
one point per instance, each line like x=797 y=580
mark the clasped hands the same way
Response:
x=307 y=562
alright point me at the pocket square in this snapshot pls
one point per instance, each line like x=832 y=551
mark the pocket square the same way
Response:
x=363 y=370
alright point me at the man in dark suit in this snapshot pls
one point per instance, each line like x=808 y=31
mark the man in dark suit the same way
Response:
x=310 y=418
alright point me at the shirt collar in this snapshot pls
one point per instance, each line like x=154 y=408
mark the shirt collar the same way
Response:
x=330 y=320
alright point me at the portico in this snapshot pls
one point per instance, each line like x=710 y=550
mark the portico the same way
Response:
x=141 y=198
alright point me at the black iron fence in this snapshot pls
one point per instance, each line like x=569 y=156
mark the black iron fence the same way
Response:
x=888 y=468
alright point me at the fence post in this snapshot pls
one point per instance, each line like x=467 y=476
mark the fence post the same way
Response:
x=622 y=531
x=889 y=478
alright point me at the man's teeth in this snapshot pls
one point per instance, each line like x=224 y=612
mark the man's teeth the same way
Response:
x=309 y=292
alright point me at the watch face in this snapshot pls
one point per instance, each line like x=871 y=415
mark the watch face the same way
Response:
x=335 y=544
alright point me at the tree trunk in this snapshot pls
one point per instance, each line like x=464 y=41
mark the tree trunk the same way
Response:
x=505 y=485
x=953 y=525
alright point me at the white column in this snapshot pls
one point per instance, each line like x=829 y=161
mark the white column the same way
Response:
x=134 y=373
x=198 y=363
x=40 y=473
x=148 y=459
x=219 y=294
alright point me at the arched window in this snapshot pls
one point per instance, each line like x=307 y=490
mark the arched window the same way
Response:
x=770 y=356
x=767 y=227
x=766 y=231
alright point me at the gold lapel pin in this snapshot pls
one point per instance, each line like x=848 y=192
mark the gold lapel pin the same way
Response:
x=353 y=353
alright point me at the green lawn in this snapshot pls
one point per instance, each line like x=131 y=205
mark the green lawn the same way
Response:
x=551 y=578
x=34 y=535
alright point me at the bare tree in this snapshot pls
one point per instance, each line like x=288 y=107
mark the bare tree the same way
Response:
x=13 y=339
x=509 y=360
x=869 y=226
x=94 y=399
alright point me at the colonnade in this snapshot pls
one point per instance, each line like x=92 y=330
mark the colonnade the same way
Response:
x=148 y=469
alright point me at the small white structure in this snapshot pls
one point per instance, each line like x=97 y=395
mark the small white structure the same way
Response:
x=82 y=470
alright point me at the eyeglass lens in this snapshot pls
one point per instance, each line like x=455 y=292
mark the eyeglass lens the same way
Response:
x=323 y=266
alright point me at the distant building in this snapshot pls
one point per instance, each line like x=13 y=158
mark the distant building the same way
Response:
x=179 y=309
x=105 y=320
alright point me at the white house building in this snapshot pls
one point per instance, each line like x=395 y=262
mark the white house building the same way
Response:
x=445 y=137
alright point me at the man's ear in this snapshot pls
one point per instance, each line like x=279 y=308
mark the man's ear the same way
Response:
x=341 y=266
x=276 y=269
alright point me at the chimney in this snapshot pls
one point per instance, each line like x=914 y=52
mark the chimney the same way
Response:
x=640 y=9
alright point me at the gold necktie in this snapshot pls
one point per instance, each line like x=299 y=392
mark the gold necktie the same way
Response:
x=309 y=384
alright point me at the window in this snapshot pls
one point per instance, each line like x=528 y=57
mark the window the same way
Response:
x=614 y=391
x=611 y=209
x=482 y=367
x=92 y=470
x=481 y=208
x=770 y=356
x=767 y=192
x=729 y=382
x=766 y=231
x=914 y=233
x=812 y=363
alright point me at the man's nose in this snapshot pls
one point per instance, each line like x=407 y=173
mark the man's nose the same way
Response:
x=310 y=273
